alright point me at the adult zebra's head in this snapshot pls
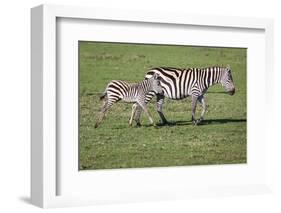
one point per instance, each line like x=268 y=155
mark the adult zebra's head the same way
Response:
x=155 y=84
x=227 y=81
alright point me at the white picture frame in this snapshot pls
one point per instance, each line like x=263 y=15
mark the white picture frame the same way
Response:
x=45 y=178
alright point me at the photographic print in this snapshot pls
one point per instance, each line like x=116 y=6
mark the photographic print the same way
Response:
x=149 y=105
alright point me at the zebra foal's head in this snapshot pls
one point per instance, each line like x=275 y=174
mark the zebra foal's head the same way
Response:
x=227 y=81
x=155 y=85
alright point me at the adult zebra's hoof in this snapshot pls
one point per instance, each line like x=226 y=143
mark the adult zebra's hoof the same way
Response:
x=156 y=126
x=138 y=125
x=200 y=121
x=197 y=122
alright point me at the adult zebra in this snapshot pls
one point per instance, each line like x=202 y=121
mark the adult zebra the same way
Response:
x=181 y=83
x=138 y=93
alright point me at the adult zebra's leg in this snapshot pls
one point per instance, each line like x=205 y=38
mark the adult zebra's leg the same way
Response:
x=194 y=104
x=203 y=103
x=159 y=105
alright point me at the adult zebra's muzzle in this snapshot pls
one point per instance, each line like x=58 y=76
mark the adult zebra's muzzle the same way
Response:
x=231 y=92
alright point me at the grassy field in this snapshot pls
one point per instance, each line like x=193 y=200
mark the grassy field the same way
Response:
x=221 y=139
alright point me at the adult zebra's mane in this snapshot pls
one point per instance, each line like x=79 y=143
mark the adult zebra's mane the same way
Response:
x=174 y=69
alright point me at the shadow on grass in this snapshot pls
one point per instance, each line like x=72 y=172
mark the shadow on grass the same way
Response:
x=223 y=121
x=204 y=122
x=185 y=123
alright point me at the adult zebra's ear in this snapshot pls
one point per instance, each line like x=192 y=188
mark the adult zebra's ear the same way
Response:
x=156 y=76
x=228 y=67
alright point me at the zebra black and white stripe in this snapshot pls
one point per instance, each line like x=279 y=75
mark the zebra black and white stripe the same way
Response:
x=181 y=83
x=138 y=93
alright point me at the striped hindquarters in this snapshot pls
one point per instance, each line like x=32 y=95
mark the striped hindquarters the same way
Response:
x=121 y=90
x=117 y=90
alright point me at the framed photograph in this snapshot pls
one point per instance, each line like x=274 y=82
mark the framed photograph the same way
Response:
x=131 y=106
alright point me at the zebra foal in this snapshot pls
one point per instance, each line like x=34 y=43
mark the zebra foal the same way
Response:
x=138 y=93
x=180 y=83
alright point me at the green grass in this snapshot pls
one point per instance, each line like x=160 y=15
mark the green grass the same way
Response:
x=221 y=139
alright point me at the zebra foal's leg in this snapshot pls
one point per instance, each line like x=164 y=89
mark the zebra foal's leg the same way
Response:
x=203 y=103
x=134 y=109
x=144 y=108
x=105 y=107
x=194 y=104
x=159 y=107
x=137 y=114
